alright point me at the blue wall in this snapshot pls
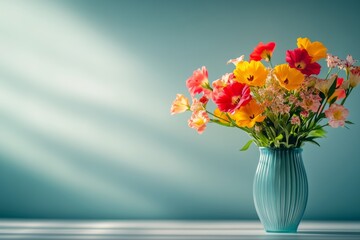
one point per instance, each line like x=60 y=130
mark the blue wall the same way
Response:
x=85 y=94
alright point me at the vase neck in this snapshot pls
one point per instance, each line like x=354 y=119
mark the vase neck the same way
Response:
x=280 y=155
x=267 y=150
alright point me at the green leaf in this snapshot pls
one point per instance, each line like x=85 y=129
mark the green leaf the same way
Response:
x=246 y=146
x=268 y=133
x=279 y=137
x=286 y=118
x=322 y=95
x=320 y=132
x=277 y=140
x=348 y=122
x=333 y=100
x=321 y=116
x=273 y=132
x=313 y=142
x=332 y=88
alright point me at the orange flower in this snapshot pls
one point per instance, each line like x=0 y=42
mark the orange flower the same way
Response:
x=316 y=50
x=249 y=114
x=263 y=51
x=338 y=94
x=252 y=74
x=289 y=78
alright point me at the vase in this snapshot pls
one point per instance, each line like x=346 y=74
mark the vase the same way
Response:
x=280 y=189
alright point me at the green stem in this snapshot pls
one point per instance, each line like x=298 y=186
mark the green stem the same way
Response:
x=328 y=73
x=347 y=94
x=226 y=120
x=207 y=86
x=270 y=63
x=324 y=125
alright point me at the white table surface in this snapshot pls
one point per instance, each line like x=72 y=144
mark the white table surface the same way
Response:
x=174 y=230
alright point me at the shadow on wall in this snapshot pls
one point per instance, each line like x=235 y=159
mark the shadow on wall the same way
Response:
x=74 y=116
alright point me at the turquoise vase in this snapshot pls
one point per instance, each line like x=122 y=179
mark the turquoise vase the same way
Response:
x=280 y=189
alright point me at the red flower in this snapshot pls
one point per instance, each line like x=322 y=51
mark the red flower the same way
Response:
x=204 y=100
x=339 y=82
x=262 y=51
x=301 y=60
x=232 y=97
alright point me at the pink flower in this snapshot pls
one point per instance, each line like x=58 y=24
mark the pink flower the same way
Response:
x=304 y=114
x=332 y=61
x=232 y=97
x=283 y=108
x=337 y=115
x=197 y=105
x=301 y=60
x=310 y=82
x=180 y=104
x=310 y=102
x=198 y=121
x=293 y=100
x=347 y=63
x=198 y=82
x=235 y=61
x=295 y=120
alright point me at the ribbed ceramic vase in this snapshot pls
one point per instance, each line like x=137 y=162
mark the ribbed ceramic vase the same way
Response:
x=280 y=189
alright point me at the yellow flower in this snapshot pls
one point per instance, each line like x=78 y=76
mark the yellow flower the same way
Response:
x=248 y=115
x=316 y=50
x=221 y=116
x=289 y=78
x=252 y=74
x=324 y=85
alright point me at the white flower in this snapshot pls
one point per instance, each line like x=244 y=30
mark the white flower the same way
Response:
x=235 y=61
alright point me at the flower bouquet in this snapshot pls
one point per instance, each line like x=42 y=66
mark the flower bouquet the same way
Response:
x=281 y=107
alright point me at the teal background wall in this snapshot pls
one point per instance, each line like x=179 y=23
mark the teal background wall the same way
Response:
x=85 y=94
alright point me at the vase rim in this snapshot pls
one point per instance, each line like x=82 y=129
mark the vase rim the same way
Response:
x=280 y=149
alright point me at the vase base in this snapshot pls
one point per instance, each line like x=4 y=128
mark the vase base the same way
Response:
x=282 y=231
